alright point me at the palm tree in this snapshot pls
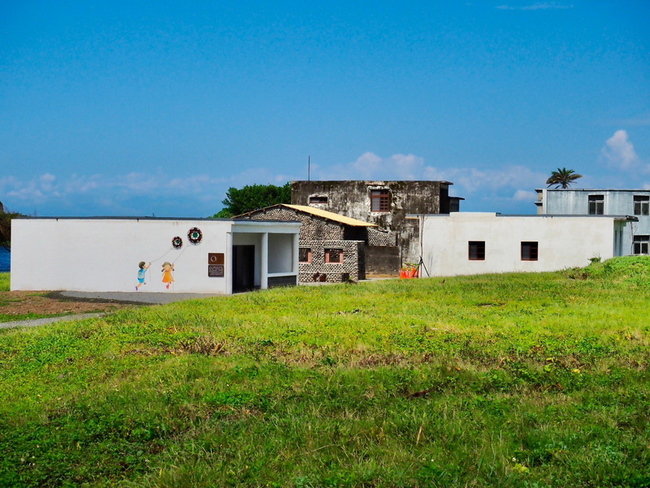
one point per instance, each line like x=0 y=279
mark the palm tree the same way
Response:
x=562 y=178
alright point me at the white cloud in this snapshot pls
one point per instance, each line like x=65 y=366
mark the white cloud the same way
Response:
x=536 y=6
x=370 y=166
x=524 y=196
x=619 y=151
x=474 y=179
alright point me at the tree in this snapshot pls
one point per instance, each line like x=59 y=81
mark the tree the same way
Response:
x=253 y=197
x=562 y=178
x=5 y=226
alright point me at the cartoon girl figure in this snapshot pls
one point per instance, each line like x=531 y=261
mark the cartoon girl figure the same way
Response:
x=142 y=271
x=168 y=277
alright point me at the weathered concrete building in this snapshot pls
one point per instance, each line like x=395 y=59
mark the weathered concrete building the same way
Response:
x=603 y=202
x=388 y=204
x=332 y=247
x=468 y=243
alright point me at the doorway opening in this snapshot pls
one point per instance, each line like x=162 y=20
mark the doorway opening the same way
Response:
x=243 y=268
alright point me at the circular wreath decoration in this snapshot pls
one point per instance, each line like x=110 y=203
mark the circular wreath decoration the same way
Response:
x=195 y=235
x=177 y=242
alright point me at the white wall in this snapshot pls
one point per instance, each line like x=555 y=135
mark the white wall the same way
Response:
x=103 y=254
x=563 y=242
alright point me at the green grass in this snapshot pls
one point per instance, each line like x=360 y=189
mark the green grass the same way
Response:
x=519 y=380
x=4 y=281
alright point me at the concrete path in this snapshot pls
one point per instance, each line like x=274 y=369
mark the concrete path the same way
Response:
x=135 y=296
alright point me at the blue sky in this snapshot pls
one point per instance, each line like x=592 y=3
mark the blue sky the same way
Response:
x=141 y=108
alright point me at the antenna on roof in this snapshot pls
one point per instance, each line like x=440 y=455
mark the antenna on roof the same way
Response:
x=308 y=168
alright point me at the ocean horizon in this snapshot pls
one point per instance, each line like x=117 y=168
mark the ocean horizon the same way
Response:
x=4 y=260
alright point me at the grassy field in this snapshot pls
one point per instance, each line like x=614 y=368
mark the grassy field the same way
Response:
x=518 y=380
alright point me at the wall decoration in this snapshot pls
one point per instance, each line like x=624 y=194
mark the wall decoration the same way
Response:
x=168 y=277
x=195 y=235
x=142 y=272
x=177 y=242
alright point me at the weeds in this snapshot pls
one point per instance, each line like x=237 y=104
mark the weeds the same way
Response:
x=508 y=380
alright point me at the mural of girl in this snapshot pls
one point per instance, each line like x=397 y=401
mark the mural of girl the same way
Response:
x=142 y=272
x=168 y=277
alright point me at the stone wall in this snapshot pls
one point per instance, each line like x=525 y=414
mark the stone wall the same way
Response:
x=319 y=234
x=352 y=266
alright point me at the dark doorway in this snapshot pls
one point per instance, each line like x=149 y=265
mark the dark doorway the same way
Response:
x=243 y=268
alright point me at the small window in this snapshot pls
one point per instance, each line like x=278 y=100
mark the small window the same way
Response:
x=641 y=205
x=596 y=204
x=304 y=255
x=641 y=244
x=334 y=256
x=529 y=251
x=317 y=199
x=477 y=250
x=380 y=200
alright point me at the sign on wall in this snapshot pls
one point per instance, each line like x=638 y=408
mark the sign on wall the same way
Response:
x=216 y=265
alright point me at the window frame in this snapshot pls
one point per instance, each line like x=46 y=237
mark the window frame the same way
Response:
x=529 y=250
x=318 y=200
x=476 y=250
x=380 y=200
x=596 y=204
x=641 y=243
x=641 y=205
x=309 y=255
x=328 y=255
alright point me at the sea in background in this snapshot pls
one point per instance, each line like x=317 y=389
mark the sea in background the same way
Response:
x=4 y=260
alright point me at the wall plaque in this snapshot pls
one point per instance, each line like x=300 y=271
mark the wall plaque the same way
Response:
x=216 y=270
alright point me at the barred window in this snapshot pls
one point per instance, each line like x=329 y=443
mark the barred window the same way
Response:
x=476 y=250
x=529 y=251
x=333 y=255
x=304 y=255
x=380 y=200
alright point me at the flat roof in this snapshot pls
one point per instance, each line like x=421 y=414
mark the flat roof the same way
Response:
x=182 y=219
x=646 y=190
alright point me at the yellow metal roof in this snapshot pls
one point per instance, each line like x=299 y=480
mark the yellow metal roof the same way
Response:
x=330 y=215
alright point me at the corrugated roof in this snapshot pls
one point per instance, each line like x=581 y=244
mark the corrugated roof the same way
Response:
x=330 y=215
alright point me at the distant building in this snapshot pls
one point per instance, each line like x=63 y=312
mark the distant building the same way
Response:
x=603 y=202
x=332 y=247
x=388 y=204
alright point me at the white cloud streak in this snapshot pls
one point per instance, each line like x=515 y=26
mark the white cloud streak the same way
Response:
x=536 y=6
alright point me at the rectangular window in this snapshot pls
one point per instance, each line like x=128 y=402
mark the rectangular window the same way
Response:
x=317 y=199
x=641 y=244
x=477 y=250
x=596 y=204
x=334 y=256
x=529 y=251
x=641 y=205
x=380 y=200
x=304 y=255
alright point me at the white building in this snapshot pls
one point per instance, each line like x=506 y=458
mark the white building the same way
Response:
x=468 y=243
x=179 y=255
x=603 y=202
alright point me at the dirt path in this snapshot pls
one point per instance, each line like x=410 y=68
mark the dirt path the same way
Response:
x=21 y=303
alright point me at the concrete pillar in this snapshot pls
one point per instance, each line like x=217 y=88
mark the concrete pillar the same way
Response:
x=264 y=271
